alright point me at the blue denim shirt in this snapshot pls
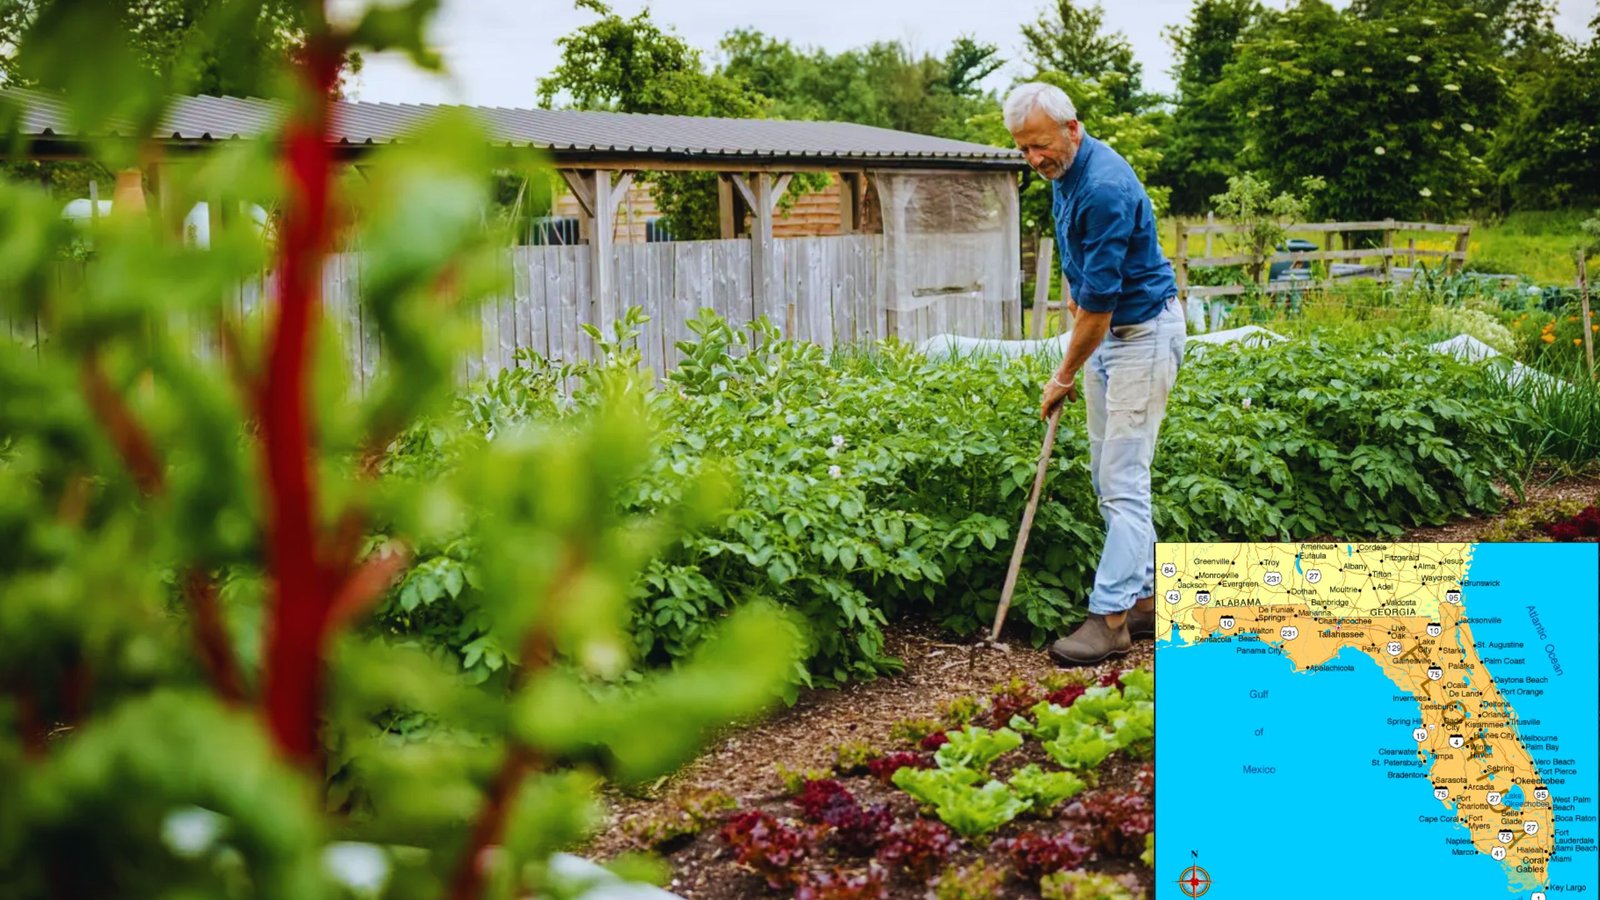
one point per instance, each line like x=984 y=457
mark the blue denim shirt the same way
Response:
x=1106 y=232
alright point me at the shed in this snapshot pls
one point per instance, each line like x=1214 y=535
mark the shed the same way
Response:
x=947 y=260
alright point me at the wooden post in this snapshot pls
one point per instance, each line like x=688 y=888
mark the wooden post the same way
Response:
x=1583 y=298
x=1462 y=242
x=1411 y=253
x=1181 y=270
x=1388 y=251
x=1327 y=264
x=599 y=196
x=726 y=208
x=1041 y=285
x=1211 y=219
x=94 y=202
x=764 y=284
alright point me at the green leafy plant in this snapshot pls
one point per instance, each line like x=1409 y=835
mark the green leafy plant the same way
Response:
x=960 y=711
x=198 y=519
x=975 y=881
x=975 y=748
x=1042 y=790
x=794 y=780
x=970 y=809
x=1077 y=884
x=912 y=731
x=852 y=757
x=1249 y=202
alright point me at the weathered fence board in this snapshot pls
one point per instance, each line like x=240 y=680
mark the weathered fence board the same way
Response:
x=830 y=290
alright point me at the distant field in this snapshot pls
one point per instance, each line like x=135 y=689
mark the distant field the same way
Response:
x=1536 y=244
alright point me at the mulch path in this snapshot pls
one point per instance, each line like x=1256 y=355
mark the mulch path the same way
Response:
x=938 y=668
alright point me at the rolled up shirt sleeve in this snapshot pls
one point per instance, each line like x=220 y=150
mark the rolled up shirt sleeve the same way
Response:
x=1106 y=220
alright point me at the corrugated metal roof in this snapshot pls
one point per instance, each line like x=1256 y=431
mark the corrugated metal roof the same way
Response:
x=565 y=133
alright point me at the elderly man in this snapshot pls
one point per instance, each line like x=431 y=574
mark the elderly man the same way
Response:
x=1123 y=354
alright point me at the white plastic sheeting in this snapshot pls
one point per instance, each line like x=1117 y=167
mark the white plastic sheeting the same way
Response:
x=952 y=253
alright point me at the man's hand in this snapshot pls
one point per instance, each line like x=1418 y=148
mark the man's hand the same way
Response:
x=1055 y=391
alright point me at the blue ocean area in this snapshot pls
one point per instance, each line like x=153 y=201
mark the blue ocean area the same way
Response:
x=1277 y=784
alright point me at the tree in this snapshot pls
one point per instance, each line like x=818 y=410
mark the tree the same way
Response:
x=633 y=66
x=1203 y=139
x=1544 y=153
x=1391 y=112
x=180 y=41
x=882 y=84
x=1248 y=202
x=1071 y=39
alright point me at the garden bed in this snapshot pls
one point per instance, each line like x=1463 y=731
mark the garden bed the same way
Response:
x=942 y=682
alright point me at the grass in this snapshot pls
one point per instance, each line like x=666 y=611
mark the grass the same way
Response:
x=1561 y=429
x=1539 y=245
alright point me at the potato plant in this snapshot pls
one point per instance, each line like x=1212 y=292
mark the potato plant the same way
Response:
x=878 y=485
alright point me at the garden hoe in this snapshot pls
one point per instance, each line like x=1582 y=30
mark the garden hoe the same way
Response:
x=993 y=640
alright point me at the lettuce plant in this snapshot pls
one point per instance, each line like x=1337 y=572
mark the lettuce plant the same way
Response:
x=968 y=808
x=920 y=847
x=1044 y=790
x=975 y=748
x=769 y=847
x=1036 y=855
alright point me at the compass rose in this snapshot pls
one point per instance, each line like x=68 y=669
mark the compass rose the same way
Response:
x=1194 y=882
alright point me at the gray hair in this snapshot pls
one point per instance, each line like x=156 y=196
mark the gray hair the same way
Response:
x=1025 y=98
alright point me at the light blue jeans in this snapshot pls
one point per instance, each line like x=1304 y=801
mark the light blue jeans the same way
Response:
x=1126 y=383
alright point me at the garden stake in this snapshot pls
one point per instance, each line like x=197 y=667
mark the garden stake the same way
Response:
x=1022 y=537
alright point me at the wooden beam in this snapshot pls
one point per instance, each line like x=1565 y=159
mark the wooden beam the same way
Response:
x=620 y=190
x=744 y=190
x=578 y=181
x=781 y=186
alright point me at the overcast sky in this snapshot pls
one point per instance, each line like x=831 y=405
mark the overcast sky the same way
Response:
x=496 y=50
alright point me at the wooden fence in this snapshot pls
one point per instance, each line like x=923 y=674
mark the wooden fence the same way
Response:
x=1384 y=270
x=829 y=290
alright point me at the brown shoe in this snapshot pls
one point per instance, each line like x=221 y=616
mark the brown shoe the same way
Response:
x=1091 y=642
x=1141 y=623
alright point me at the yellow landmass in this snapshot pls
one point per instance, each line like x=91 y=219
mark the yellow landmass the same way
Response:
x=1401 y=604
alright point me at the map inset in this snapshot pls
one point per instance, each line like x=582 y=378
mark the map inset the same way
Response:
x=1343 y=720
